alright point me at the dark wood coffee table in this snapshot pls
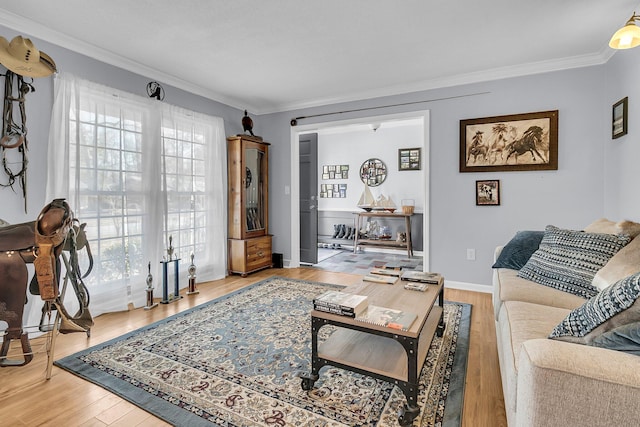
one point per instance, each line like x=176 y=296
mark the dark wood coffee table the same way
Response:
x=388 y=354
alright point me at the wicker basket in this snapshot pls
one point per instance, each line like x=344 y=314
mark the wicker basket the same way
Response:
x=407 y=206
x=407 y=210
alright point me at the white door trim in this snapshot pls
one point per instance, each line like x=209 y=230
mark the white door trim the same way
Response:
x=295 y=131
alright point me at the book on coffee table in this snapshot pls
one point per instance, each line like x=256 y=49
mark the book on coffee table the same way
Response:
x=392 y=266
x=378 y=278
x=416 y=286
x=342 y=303
x=389 y=317
x=419 y=276
x=385 y=272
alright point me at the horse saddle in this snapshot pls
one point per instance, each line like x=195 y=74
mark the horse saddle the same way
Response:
x=50 y=231
x=17 y=237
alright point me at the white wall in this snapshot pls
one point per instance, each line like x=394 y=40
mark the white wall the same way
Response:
x=354 y=146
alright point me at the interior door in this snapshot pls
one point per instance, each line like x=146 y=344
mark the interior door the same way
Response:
x=309 y=198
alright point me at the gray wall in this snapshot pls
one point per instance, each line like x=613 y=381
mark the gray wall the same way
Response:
x=622 y=154
x=39 y=105
x=596 y=176
x=570 y=197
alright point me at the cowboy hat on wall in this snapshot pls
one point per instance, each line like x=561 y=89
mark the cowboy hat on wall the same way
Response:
x=23 y=58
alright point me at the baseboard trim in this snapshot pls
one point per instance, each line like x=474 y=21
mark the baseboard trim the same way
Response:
x=464 y=286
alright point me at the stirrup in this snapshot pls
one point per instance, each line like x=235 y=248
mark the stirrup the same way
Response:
x=84 y=318
x=67 y=323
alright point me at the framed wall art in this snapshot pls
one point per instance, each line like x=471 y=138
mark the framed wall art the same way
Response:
x=373 y=172
x=335 y=172
x=619 y=119
x=488 y=193
x=409 y=159
x=517 y=142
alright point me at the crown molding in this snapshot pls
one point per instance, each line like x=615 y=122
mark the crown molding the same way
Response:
x=22 y=24
x=34 y=29
x=463 y=79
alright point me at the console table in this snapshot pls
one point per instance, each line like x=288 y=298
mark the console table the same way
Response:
x=384 y=243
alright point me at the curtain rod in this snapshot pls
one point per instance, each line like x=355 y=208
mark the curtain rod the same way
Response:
x=294 y=121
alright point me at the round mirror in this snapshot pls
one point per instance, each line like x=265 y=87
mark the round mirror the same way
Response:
x=373 y=172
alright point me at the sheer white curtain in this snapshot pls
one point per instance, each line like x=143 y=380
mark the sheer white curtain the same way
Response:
x=108 y=158
x=194 y=188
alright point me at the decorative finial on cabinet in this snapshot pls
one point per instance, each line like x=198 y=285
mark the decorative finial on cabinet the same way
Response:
x=247 y=123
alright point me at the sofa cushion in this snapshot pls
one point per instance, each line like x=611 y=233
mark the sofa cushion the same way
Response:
x=606 y=226
x=624 y=338
x=517 y=323
x=568 y=260
x=615 y=306
x=625 y=263
x=509 y=287
x=525 y=321
x=517 y=252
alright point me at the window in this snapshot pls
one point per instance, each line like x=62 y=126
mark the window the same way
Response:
x=184 y=178
x=139 y=172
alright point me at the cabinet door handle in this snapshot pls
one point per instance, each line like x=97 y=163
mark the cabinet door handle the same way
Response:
x=260 y=254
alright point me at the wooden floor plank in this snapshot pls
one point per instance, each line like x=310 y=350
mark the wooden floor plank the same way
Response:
x=28 y=399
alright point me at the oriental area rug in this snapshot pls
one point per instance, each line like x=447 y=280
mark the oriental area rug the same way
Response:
x=234 y=361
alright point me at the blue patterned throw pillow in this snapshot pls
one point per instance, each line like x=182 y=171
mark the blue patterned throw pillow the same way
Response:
x=567 y=260
x=610 y=308
x=517 y=252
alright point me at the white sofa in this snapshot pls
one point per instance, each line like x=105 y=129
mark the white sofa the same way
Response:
x=547 y=382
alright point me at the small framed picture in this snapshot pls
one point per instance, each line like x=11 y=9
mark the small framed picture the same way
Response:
x=488 y=193
x=409 y=159
x=619 y=120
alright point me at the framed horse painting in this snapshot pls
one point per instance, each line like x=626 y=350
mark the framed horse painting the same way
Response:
x=518 y=142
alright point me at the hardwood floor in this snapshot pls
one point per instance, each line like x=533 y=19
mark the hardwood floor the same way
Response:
x=28 y=399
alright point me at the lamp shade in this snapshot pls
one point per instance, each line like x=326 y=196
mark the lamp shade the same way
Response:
x=626 y=37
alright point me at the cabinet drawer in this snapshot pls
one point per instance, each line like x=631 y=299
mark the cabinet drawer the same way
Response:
x=246 y=256
x=258 y=252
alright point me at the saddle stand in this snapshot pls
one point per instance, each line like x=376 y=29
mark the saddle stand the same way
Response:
x=41 y=243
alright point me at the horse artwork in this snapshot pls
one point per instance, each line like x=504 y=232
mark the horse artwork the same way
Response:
x=41 y=243
x=505 y=143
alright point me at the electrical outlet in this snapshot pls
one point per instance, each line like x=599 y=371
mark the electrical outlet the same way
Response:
x=471 y=254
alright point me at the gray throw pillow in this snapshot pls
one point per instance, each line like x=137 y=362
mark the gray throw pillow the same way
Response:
x=517 y=252
x=624 y=338
x=567 y=260
x=612 y=307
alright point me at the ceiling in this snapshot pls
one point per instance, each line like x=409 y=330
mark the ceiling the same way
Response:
x=278 y=55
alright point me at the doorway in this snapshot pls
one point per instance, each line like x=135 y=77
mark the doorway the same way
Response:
x=343 y=126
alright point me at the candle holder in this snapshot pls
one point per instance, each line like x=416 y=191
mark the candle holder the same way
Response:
x=150 y=303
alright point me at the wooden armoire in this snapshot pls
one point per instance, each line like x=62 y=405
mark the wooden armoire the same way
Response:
x=249 y=243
